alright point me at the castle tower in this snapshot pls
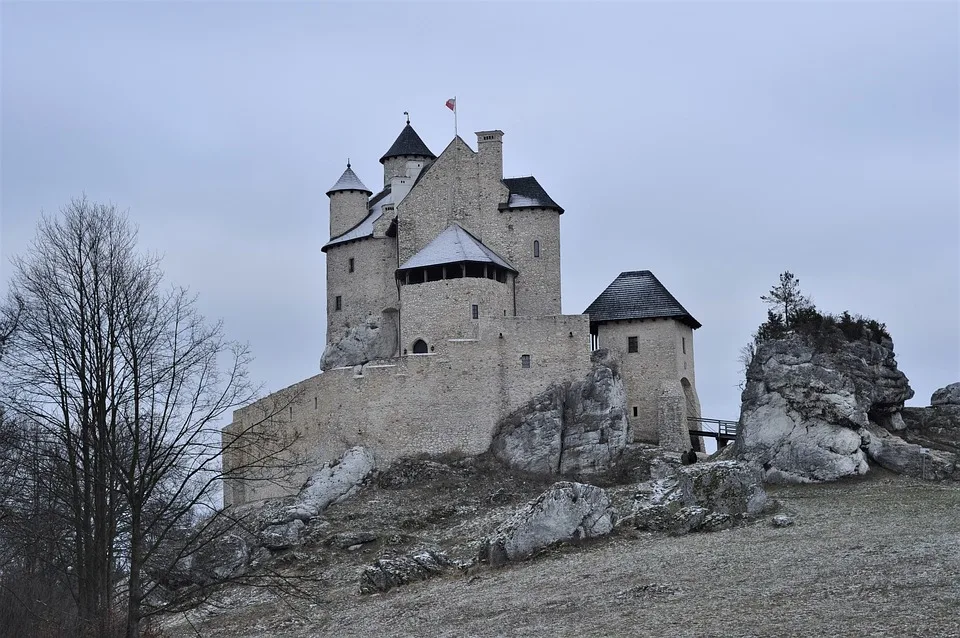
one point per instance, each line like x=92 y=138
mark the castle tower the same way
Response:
x=348 y=202
x=651 y=335
x=407 y=148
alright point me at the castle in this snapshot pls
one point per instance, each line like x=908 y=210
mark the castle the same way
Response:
x=444 y=316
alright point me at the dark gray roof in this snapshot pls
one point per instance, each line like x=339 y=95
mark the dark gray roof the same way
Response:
x=349 y=182
x=454 y=245
x=637 y=295
x=408 y=143
x=526 y=192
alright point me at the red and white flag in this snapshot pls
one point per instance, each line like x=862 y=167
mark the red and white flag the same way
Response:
x=452 y=104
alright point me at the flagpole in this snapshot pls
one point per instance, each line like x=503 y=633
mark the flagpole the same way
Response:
x=455 y=133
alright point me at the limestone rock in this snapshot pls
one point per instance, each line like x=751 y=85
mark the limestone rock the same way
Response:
x=803 y=406
x=571 y=429
x=375 y=338
x=949 y=395
x=222 y=558
x=391 y=571
x=332 y=483
x=903 y=457
x=707 y=496
x=345 y=540
x=282 y=535
x=564 y=512
x=936 y=427
x=781 y=520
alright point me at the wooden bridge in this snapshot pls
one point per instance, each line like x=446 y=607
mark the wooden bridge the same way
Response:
x=722 y=431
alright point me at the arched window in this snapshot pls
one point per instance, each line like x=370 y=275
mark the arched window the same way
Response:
x=419 y=347
x=536 y=247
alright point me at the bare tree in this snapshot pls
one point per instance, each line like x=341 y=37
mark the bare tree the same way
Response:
x=123 y=384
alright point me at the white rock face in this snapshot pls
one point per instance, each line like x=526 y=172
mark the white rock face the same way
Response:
x=570 y=429
x=565 y=512
x=282 y=535
x=803 y=407
x=705 y=496
x=949 y=395
x=332 y=483
x=373 y=339
x=903 y=457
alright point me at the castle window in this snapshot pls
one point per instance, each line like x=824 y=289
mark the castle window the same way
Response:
x=635 y=410
x=338 y=303
x=632 y=345
x=419 y=347
x=475 y=311
x=524 y=361
x=351 y=264
x=502 y=276
x=683 y=341
x=536 y=248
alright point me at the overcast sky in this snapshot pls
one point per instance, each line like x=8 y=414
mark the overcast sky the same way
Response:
x=715 y=144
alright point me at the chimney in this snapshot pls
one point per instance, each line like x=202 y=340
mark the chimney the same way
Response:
x=490 y=146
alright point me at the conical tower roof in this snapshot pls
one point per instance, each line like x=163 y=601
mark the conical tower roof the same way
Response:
x=349 y=182
x=408 y=143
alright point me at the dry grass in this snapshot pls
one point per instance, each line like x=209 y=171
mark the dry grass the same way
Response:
x=878 y=556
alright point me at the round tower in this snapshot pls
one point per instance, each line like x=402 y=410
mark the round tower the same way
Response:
x=348 y=202
x=408 y=147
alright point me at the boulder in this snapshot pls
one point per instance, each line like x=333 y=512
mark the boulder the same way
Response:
x=903 y=457
x=571 y=429
x=373 y=339
x=564 y=512
x=332 y=483
x=804 y=404
x=708 y=496
x=949 y=395
x=936 y=427
x=391 y=571
x=222 y=558
x=281 y=535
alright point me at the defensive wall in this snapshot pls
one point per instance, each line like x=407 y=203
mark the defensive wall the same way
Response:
x=414 y=404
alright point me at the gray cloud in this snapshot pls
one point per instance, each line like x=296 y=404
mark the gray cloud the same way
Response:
x=715 y=144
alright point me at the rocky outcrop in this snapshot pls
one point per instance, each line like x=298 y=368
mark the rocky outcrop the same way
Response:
x=332 y=483
x=804 y=406
x=375 y=338
x=563 y=513
x=949 y=395
x=901 y=456
x=573 y=429
x=392 y=571
x=938 y=426
x=703 y=497
x=281 y=535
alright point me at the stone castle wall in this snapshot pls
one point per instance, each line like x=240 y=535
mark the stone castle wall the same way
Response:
x=347 y=209
x=367 y=290
x=415 y=404
x=436 y=311
x=657 y=368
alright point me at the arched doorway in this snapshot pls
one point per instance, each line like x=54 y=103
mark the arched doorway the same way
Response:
x=419 y=347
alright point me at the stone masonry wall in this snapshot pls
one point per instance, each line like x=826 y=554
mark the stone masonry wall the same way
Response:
x=431 y=403
x=347 y=209
x=436 y=311
x=367 y=290
x=659 y=366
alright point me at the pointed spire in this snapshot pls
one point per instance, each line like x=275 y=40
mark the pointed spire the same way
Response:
x=408 y=143
x=349 y=182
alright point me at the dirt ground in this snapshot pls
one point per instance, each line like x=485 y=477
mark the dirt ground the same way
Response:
x=878 y=556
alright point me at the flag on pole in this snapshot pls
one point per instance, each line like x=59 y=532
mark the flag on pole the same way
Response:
x=452 y=104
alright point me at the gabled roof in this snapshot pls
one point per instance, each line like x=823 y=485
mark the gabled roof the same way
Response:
x=452 y=246
x=637 y=295
x=526 y=192
x=349 y=182
x=408 y=143
x=365 y=227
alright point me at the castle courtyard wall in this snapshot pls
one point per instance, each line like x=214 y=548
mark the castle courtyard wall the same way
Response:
x=414 y=404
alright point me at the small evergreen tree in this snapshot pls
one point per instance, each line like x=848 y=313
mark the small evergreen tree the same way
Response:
x=786 y=296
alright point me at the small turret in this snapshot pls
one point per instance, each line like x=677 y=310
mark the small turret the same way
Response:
x=348 y=202
x=407 y=148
